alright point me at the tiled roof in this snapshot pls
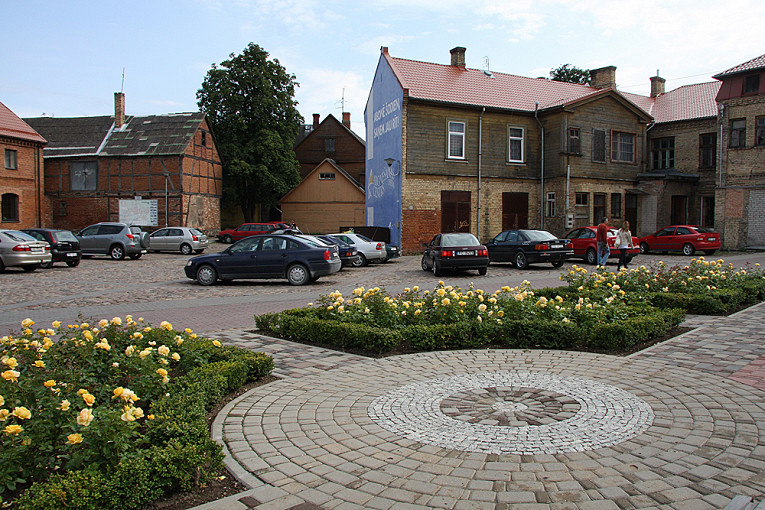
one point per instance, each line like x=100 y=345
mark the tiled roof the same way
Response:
x=13 y=127
x=687 y=102
x=751 y=65
x=139 y=136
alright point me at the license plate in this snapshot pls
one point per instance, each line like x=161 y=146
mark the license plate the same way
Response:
x=712 y=239
x=36 y=249
x=71 y=254
x=460 y=253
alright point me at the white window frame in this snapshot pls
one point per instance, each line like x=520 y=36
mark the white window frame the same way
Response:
x=618 y=146
x=522 y=140
x=326 y=176
x=550 y=209
x=456 y=134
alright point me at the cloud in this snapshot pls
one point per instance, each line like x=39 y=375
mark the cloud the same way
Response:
x=322 y=89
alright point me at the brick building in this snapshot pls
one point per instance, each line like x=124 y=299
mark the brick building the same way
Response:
x=92 y=163
x=21 y=178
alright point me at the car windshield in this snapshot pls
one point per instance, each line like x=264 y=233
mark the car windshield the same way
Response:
x=459 y=240
x=704 y=230
x=64 y=236
x=19 y=237
x=196 y=232
x=538 y=235
x=364 y=238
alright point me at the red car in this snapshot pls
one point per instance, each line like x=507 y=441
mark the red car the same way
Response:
x=585 y=246
x=249 y=229
x=685 y=238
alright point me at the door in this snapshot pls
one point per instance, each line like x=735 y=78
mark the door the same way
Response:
x=272 y=257
x=173 y=239
x=679 y=209
x=88 y=239
x=455 y=211
x=157 y=239
x=515 y=210
x=507 y=247
x=630 y=211
x=241 y=259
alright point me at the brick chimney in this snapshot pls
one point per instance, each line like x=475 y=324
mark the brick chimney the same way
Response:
x=347 y=119
x=119 y=109
x=657 y=85
x=458 y=56
x=603 y=78
x=315 y=120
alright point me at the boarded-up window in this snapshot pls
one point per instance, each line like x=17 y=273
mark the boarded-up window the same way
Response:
x=84 y=175
x=599 y=145
x=455 y=211
x=574 y=145
x=515 y=210
x=598 y=206
x=616 y=205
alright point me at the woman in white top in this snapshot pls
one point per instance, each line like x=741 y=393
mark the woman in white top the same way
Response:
x=623 y=242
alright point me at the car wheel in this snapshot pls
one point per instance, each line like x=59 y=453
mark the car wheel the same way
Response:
x=360 y=261
x=73 y=263
x=2 y=267
x=298 y=274
x=688 y=249
x=206 y=275
x=644 y=248
x=436 y=270
x=29 y=269
x=186 y=249
x=482 y=271
x=227 y=239
x=710 y=252
x=117 y=252
x=557 y=263
x=424 y=264
x=135 y=256
x=591 y=256
x=520 y=260
x=46 y=265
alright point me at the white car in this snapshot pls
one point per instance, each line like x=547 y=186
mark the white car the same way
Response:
x=368 y=250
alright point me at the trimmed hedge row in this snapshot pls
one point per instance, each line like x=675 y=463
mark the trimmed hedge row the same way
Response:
x=182 y=455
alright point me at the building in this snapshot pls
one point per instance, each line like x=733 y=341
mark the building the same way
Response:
x=21 y=180
x=94 y=167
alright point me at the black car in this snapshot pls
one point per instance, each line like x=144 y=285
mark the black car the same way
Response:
x=348 y=254
x=297 y=258
x=457 y=250
x=522 y=247
x=64 y=246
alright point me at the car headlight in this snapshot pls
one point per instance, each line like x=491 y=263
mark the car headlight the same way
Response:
x=188 y=263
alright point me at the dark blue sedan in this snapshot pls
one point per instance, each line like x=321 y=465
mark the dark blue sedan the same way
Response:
x=299 y=259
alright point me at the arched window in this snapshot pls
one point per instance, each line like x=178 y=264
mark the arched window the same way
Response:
x=10 y=207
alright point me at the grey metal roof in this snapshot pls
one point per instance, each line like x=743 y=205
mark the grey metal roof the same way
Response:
x=96 y=136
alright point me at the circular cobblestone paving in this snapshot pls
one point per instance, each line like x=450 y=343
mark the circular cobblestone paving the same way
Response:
x=513 y=412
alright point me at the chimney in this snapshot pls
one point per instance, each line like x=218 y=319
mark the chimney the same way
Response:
x=315 y=120
x=657 y=85
x=458 y=56
x=603 y=78
x=347 y=119
x=119 y=109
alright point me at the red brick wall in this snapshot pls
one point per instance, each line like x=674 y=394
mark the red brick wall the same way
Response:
x=349 y=152
x=26 y=181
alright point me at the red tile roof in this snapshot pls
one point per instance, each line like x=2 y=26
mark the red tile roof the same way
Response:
x=686 y=103
x=751 y=65
x=13 y=127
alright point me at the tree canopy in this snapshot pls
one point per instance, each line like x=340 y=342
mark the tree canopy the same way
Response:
x=570 y=74
x=249 y=100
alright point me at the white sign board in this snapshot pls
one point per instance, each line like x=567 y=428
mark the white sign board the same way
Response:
x=139 y=212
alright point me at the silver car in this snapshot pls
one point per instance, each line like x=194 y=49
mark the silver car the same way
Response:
x=369 y=250
x=113 y=239
x=183 y=239
x=23 y=250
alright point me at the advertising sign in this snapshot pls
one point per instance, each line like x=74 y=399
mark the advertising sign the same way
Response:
x=139 y=212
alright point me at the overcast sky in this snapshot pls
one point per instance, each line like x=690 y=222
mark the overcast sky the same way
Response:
x=66 y=58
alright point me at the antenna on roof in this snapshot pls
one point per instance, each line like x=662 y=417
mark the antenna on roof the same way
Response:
x=342 y=101
x=122 y=86
x=486 y=71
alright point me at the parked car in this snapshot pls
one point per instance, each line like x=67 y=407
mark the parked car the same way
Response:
x=348 y=254
x=64 y=247
x=297 y=258
x=369 y=251
x=113 y=239
x=458 y=250
x=522 y=247
x=18 y=249
x=685 y=238
x=249 y=229
x=391 y=252
x=183 y=239
x=585 y=246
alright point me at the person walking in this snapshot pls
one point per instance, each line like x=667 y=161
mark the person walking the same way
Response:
x=601 y=240
x=623 y=242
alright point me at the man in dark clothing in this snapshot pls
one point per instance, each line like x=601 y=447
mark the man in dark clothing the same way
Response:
x=601 y=239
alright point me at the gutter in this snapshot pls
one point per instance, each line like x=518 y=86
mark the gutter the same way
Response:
x=480 y=154
x=542 y=172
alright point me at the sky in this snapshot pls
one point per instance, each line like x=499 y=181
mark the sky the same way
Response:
x=66 y=58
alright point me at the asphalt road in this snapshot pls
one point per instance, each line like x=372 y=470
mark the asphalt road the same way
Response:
x=156 y=288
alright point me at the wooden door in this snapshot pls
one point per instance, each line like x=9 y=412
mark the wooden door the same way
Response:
x=515 y=210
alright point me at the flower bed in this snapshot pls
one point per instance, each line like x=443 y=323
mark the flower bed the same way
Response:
x=112 y=414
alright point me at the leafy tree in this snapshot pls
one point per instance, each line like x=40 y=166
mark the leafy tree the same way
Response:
x=250 y=103
x=570 y=74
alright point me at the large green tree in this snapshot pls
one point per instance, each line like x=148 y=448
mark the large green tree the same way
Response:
x=250 y=103
x=570 y=74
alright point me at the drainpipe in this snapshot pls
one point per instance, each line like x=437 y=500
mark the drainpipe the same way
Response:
x=480 y=154
x=39 y=186
x=542 y=172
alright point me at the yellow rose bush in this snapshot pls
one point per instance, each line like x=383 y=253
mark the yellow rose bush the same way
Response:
x=74 y=401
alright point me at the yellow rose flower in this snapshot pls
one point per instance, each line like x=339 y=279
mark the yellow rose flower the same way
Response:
x=13 y=430
x=176 y=356
x=56 y=324
x=127 y=416
x=49 y=383
x=89 y=399
x=162 y=372
x=163 y=350
x=216 y=343
x=74 y=438
x=4 y=413
x=88 y=335
x=144 y=352
x=2 y=400
x=11 y=362
x=11 y=375
x=64 y=405
x=193 y=335
x=137 y=335
x=27 y=323
x=85 y=417
x=40 y=363
x=116 y=321
x=22 y=413
x=166 y=325
x=482 y=307
x=178 y=340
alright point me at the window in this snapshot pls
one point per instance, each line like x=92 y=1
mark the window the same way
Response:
x=598 y=206
x=574 y=145
x=752 y=84
x=84 y=175
x=599 y=145
x=707 y=150
x=738 y=133
x=456 y=140
x=663 y=153
x=623 y=147
x=582 y=198
x=515 y=144
x=326 y=176
x=10 y=206
x=759 y=131
x=329 y=144
x=616 y=205
x=204 y=139
x=10 y=159
x=550 y=210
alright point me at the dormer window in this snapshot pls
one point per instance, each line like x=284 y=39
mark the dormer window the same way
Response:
x=752 y=84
